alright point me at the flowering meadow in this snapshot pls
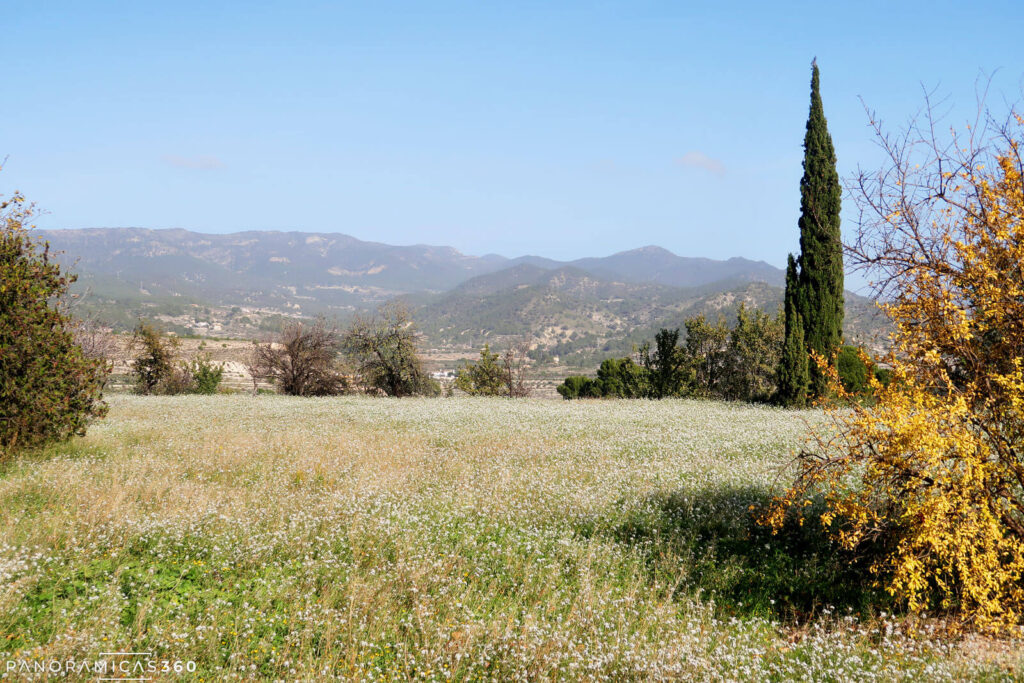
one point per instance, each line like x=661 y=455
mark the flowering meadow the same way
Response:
x=443 y=539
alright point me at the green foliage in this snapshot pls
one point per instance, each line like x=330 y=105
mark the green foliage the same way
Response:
x=821 y=251
x=49 y=389
x=707 y=348
x=206 y=375
x=793 y=374
x=667 y=370
x=716 y=362
x=622 y=378
x=384 y=348
x=854 y=372
x=579 y=386
x=755 y=345
x=486 y=377
x=154 y=366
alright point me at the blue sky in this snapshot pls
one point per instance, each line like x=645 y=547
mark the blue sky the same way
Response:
x=563 y=129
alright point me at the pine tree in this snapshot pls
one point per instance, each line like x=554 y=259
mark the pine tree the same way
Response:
x=820 y=300
x=793 y=370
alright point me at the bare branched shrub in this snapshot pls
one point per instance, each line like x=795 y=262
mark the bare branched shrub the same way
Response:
x=96 y=340
x=514 y=361
x=302 y=361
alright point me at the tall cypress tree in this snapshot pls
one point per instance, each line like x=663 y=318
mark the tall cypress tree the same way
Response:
x=792 y=375
x=820 y=302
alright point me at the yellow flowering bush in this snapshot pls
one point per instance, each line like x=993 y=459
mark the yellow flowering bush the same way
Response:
x=932 y=474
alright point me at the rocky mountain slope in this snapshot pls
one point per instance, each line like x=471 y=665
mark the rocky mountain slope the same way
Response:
x=243 y=284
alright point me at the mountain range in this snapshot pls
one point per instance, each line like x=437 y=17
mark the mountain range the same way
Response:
x=242 y=282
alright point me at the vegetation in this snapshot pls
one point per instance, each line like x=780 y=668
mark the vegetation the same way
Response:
x=817 y=290
x=666 y=367
x=793 y=375
x=205 y=375
x=494 y=374
x=49 y=388
x=715 y=362
x=752 y=357
x=158 y=370
x=303 y=360
x=154 y=365
x=482 y=539
x=933 y=473
x=384 y=347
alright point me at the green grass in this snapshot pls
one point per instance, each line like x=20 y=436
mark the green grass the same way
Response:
x=437 y=539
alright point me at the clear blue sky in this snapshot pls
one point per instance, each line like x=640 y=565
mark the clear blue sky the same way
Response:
x=564 y=129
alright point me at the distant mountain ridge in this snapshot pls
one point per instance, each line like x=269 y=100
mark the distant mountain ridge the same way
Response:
x=242 y=284
x=333 y=271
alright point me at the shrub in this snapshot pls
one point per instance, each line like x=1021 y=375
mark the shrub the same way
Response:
x=934 y=468
x=854 y=372
x=486 y=377
x=496 y=375
x=49 y=389
x=154 y=367
x=206 y=375
x=302 y=361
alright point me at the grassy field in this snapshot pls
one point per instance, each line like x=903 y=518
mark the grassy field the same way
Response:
x=466 y=539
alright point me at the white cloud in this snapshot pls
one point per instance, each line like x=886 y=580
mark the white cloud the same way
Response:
x=203 y=162
x=695 y=159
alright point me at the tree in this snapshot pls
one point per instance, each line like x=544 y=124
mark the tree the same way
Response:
x=486 y=377
x=666 y=367
x=622 y=378
x=933 y=471
x=49 y=389
x=384 y=347
x=706 y=354
x=154 y=366
x=302 y=361
x=792 y=377
x=579 y=386
x=821 y=250
x=755 y=343
x=514 y=361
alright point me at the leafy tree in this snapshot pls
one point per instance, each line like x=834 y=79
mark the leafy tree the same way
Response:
x=755 y=345
x=302 y=361
x=706 y=354
x=821 y=250
x=49 y=389
x=384 y=348
x=579 y=386
x=622 y=378
x=156 y=359
x=932 y=472
x=793 y=377
x=667 y=370
x=486 y=377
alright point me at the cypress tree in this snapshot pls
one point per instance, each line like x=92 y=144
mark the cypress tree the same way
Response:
x=820 y=301
x=792 y=376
